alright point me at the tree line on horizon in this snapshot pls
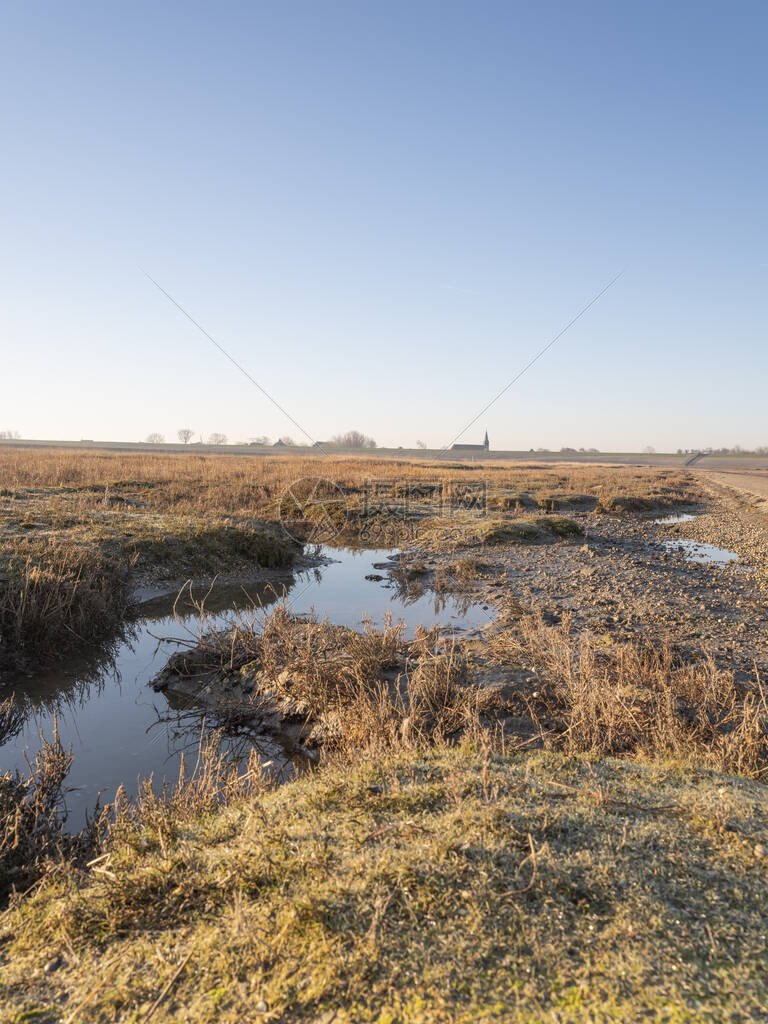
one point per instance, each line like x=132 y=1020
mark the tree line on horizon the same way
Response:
x=350 y=439
x=357 y=440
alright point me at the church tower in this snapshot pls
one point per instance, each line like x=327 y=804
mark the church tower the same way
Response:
x=485 y=442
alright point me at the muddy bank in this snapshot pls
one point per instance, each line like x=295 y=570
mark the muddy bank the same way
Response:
x=66 y=587
x=596 y=648
x=625 y=578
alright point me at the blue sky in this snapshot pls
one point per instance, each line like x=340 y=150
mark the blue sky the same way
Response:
x=383 y=211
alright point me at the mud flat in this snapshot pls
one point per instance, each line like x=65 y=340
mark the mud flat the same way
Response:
x=631 y=577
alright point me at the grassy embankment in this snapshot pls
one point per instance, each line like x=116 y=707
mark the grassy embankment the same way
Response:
x=433 y=868
x=456 y=884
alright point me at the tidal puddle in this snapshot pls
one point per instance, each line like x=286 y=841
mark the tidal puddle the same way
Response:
x=695 y=551
x=682 y=517
x=120 y=728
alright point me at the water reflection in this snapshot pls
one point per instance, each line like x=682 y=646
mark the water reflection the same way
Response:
x=683 y=517
x=707 y=554
x=120 y=729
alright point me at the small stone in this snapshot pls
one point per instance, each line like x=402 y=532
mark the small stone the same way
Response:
x=759 y=851
x=262 y=1007
x=53 y=964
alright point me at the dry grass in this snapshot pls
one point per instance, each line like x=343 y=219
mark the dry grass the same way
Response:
x=32 y=843
x=237 y=486
x=71 y=524
x=350 y=691
x=364 y=691
x=56 y=599
x=468 y=530
x=452 y=885
x=635 y=697
x=73 y=537
x=427 y=872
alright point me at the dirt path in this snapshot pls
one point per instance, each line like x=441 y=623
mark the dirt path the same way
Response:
x=753 y=484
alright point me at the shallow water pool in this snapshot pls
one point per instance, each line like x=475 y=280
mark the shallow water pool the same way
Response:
x=696 y=551
x=119 y=728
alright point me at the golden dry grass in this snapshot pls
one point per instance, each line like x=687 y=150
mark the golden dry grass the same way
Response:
x=406 y=880
x=235 y=485
x=453 y=885
x=635 y=697
x=186 y=514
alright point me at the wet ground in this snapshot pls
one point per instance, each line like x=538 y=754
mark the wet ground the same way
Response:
x=698 y=579
x=120 y=728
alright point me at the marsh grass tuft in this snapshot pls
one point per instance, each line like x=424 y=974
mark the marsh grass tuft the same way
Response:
x=352 y=690
x=637 y=698
x=58 y=598
x=31 y=816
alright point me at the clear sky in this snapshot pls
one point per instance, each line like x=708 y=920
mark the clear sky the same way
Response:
x=383 y=211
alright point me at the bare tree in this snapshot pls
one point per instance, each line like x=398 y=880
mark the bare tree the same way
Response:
x=185 y=434
x=649 y=449
x=217 y=439
x=9 y=435
x=262 y=441
x=287 y=441
x=422 y=445
x=353 y=439
x=155 y=438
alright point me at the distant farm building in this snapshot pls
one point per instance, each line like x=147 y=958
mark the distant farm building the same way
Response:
x=484 y=447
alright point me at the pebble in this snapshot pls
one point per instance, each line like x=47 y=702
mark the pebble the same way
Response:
x=759 y=851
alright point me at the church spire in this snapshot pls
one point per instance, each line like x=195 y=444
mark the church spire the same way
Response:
x=485 y=442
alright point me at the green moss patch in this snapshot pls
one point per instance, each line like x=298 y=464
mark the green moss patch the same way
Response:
x=486 y=531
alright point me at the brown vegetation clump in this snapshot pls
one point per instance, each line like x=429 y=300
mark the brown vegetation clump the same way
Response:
x=351 y=690
x=637 y=697
x=468 y=530
x=31 y=816
x=58 y=598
